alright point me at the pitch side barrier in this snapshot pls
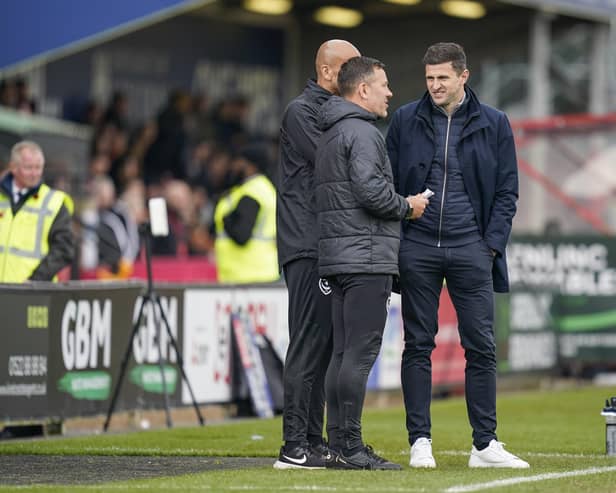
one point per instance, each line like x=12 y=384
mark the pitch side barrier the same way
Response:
x=63 y=343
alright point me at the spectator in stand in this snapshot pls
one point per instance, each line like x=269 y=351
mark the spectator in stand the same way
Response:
x=201 y=240
x=8 y=94
x=100 y=164
x=5 y=154
x=166 y=157
x=36 y=239
x=141 y=140
x=92 y=114
x=128 y=170
x=199 y=125
x=245 y=220
x=111 y=240
x=229 y=121
x=210 y=169
x=24 y=103
x=133 y=196
x=180 y=211
x=116 y=113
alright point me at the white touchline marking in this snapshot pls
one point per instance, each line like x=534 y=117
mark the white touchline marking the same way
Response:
x=356 y=489
x=527 y=479
x=554 y=455
x=549 y=455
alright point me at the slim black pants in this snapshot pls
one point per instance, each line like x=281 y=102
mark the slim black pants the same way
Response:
x=359 y=311
x=309 y=352
x=468 y=272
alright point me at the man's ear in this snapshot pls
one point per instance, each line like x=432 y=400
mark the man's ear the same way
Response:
x=465 y=75
x=363 y=90
x=326 y=72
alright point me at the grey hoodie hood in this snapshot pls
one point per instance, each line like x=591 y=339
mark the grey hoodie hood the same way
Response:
x=337 y=108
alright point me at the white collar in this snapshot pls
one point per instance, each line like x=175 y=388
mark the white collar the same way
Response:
x=16 y=189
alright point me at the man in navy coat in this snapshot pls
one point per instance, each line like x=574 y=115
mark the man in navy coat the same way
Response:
x=464 y=152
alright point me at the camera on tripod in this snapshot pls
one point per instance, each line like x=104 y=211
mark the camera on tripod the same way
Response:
x=159 y=222
x=158 y=225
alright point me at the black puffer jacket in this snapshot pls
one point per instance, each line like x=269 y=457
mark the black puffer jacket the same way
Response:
x=359 y=211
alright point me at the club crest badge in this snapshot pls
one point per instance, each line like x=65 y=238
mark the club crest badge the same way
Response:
x=324 y=286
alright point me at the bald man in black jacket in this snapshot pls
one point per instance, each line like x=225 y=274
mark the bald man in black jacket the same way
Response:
x=309 y=349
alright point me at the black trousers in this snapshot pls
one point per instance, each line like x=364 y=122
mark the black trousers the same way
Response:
x=468 y=272
x=359 y=311
x=309 y=352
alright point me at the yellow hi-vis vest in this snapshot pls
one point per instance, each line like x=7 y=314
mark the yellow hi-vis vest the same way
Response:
x=23 y=236
x=257 y=259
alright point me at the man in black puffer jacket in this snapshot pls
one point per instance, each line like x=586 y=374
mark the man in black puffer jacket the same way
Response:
x=359 y=214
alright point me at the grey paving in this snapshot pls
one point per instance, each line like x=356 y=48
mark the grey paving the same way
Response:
x=89 y=469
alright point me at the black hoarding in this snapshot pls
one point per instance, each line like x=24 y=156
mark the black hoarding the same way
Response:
x=23 y=355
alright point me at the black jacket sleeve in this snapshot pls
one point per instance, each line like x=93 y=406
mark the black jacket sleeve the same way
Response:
x=61 y=248
x=239 y=223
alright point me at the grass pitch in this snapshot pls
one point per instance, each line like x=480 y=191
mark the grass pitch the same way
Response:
x=560 y=433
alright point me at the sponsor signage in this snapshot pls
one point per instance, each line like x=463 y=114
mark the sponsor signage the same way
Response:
x=561 y=306
x=24 y=355
x=89 y=335
x=88 y=331
x=151 y=344
x=207 y=334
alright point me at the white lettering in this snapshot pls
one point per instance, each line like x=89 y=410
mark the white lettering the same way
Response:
x=82 y=334
x=101 y=333
x=146 y=342
x=86 y=328
x=571 y=269
x=68 y=337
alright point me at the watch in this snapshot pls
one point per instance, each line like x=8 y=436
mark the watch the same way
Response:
x=409 y=214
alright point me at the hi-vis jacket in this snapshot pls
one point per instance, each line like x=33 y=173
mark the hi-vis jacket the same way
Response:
x=35 y=234
x=257 y=260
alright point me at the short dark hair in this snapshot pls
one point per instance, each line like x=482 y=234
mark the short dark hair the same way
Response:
x=354 y=71
x=446 y=52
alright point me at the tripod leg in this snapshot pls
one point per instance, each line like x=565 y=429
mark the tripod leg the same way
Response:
x=161 y=362
x=129 y=348
x=180 y=363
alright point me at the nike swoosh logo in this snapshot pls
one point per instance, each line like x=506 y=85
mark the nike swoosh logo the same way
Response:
x=296 y=461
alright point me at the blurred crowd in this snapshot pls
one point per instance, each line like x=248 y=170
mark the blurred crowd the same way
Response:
x=15 y=94
x=185 y=155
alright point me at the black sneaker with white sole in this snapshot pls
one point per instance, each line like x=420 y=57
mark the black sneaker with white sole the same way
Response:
x=364 y=459
x=299 y=458
x=327 y=453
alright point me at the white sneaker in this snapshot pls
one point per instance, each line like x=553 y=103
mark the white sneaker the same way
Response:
x=495 y=455
x=421 y=453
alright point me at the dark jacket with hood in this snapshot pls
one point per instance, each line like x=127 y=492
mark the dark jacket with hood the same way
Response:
x=359 y=211
x=486 y=155
x=296 y=217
